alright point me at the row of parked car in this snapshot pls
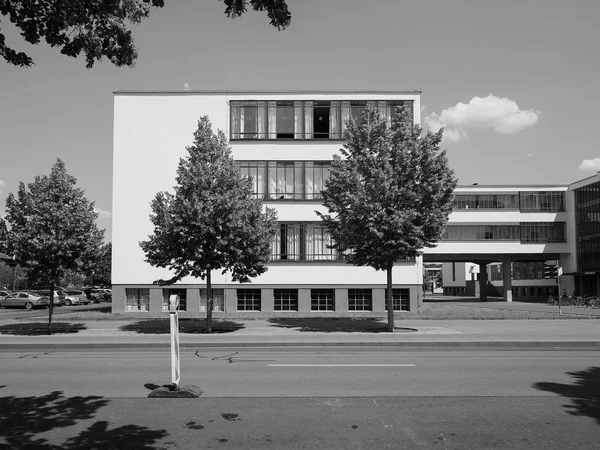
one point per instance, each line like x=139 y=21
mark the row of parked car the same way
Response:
x=40 y=298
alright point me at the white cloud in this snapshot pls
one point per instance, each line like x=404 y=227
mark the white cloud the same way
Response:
x=502 y=115
x=186 y=87
x=529 y=155
x=102 y=214
x=592 y=165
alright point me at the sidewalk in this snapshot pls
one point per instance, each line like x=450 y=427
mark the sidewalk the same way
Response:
x=318 y=332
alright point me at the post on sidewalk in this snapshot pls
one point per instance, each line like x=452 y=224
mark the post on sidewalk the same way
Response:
x=174 y=322
x=559 y=272
x=175 y=390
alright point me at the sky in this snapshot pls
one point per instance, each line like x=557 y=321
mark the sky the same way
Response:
x=515 y=84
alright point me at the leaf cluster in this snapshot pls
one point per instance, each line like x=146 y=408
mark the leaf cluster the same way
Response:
x=390 y=194
x=211 y=221
x=99 y=28
x=52 y=225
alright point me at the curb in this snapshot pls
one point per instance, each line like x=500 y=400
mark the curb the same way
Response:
x=445 y=344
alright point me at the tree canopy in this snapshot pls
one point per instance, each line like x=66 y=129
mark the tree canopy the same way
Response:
x=51 y=227
x=390 y=195
x=100 y=28
x=212 y=221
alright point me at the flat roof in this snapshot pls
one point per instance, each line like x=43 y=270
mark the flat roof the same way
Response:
x=265 y=92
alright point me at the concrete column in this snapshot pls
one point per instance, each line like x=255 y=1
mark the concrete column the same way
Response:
x=303 y=300
x=193 y=299
x=507 y=278
x=267 y=300
x=156 y=299
x=483 y=281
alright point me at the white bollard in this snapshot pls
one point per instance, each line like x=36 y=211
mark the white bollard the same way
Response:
x=175 y=366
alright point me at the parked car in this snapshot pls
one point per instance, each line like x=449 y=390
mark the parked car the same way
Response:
x=4 y=294
x=27 y=300
x=75 y=297
x=59 y=295
x=96 y=295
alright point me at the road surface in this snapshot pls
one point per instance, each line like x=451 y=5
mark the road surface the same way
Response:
x=304 y=398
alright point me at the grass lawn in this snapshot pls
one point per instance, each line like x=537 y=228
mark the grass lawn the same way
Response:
x=430 y=311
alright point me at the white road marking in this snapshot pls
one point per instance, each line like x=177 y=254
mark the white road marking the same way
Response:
x=341 y=365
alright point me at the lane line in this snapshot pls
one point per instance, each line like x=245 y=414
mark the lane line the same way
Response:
x=341 y=365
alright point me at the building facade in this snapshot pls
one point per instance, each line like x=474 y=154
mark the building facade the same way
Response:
x=285 y=141
x=514 y=241
x=501 y=240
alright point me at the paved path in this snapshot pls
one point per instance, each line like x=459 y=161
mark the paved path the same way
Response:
x=306 y=332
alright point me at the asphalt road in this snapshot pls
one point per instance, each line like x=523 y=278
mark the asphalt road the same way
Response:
x=304 y=398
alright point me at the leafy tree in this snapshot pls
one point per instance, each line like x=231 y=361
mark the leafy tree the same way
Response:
x=51 y=225
x=391 y=194
x=212 y=221
x=100 y=28
x=97 y=266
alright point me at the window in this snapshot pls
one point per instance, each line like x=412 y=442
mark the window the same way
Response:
x=137 y=299
x=182 y=299
x=285 y=180
x=288 y=242
x=218 y=296
x=255 y=170
x=316 y=175
x=302 y=241
x=356 y=111
x=481 y=233
x=248 y=120
x=322 y=300
x=317 y=241
x=542 y=201
x=360 y=300
x=543 y=232
x=400 y=299
x=248 y=299
x=286 y=119
x=587 y=227
x=504 y=201
x=285 y=299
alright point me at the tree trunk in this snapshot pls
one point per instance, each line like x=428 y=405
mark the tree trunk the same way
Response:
x=390 y=303
x=209 y=303
x=51 y=308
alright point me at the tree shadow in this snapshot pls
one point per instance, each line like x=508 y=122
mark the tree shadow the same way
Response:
x=584 y=392
x=41 y=328
x=23 y=419
x=333 y=324
x=188 y=326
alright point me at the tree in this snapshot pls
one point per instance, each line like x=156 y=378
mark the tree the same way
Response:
x=212 y=221
x=100 y=28
x=97 y=266
x=391 y=194
x=51 y=225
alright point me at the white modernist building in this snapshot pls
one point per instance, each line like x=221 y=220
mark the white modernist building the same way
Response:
x=286 y=141
x=520 y=241
x=503 y=238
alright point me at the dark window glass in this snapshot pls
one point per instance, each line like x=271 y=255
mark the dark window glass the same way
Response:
x=482 y=233
x=322 y=300
x=285 y=299
x=360 y=300
x=218 y=296
x=321 y=111
x=400 y=299
x=587 y=229
x=248 y=299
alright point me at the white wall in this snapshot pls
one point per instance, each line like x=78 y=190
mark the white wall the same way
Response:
x=151 y=131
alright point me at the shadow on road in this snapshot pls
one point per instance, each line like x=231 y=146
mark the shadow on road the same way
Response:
x=23 y=419
x=584 y=392
x=191 y=326
x=329 y=325
x=41 y=328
